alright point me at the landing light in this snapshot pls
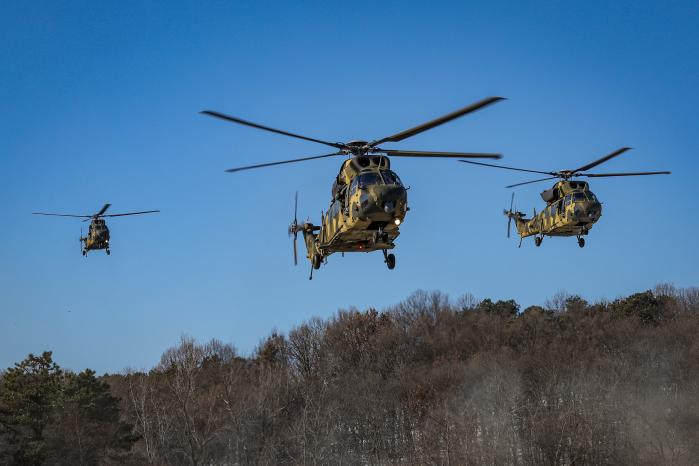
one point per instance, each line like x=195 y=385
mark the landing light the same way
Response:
x=397 y=221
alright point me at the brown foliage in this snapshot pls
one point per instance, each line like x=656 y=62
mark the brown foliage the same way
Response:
x=430 y=382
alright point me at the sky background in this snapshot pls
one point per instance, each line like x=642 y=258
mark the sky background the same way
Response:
x=100 y=103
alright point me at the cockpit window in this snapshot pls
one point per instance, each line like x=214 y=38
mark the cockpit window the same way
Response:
x=577 y=197
x=567 y=200
x=591 y=196
x=389 y=177
x=368 y=179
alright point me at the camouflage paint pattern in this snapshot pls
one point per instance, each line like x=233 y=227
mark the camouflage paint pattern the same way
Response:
x=97 y=236
x=572 y=212
x=369 y=202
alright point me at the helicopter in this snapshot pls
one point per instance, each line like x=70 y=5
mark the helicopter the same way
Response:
x=97 y=233
x=571 y=208
x=369 y=201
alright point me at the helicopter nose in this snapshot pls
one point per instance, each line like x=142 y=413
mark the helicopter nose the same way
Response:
x=391 y=197
x=594 y=211
x=588 y=212
x=385 y=203
x=393 y=194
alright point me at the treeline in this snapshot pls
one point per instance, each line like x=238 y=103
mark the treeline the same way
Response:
x=428 y=381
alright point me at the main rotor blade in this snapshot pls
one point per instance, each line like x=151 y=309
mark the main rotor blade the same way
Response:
x=261 y=165
x=129 y=213
x=602 y=160
x=418 y=153
x=507 y=168
x=599 y=175
x=438 y=121
x=533 y=181
x=62 y=215
x=223 y=116
x=102 y=210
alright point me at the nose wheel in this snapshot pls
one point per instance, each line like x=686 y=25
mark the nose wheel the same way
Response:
x=389 y=259
x=581 y=241
x=538 y=240
x=108 y=252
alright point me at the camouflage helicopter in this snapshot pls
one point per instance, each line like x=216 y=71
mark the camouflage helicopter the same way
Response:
x=369 y=201
x=571 y=208
x=97 y=233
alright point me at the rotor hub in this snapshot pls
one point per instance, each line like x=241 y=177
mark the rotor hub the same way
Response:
x=566 y=174
x=358 y=147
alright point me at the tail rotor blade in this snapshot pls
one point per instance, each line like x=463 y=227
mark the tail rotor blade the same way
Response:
x=509 y=224
x=296 y=205
x=296 y=256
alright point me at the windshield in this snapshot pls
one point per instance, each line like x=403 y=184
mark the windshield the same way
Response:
x=591 y=196
x=577 y=197
x=390 y=177
x=367 y=179
x=353 y=186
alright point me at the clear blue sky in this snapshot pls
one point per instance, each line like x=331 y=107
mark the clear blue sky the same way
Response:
x=100 y=103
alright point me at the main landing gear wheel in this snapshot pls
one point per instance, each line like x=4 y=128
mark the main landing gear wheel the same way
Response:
x=538 y=240
x=389 y=259
x=84 y=252
x=108 y=252
x=581 y=242
x=316 y=261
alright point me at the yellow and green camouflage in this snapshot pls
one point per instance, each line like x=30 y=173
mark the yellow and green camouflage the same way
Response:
x=572 y=211
x=369 y=204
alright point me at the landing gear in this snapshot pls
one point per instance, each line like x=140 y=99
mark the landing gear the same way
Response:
x=316 y=260
x=84 y=253
x=581 y=241
x=108 y=252
x=538 y=240
x=389 y=259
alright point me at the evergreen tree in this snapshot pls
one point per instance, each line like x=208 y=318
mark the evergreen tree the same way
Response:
x=28 y=396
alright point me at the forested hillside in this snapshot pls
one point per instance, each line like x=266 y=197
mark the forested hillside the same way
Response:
x=428 y=381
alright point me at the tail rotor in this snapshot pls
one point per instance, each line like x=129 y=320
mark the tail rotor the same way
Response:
x=294 y=227
x=509 y=215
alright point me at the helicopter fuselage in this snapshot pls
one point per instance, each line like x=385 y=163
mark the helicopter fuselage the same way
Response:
x=369 y=204
x=97 y=236
x=571 y=210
